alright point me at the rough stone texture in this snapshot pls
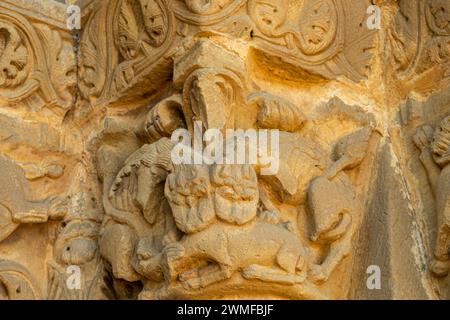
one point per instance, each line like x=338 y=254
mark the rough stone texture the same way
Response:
x=89 y=180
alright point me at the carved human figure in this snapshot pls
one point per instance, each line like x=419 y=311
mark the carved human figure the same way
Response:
x=435 y=157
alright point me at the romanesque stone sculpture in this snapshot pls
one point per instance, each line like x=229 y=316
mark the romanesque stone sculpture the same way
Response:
x=434 y=149
x=188 y=149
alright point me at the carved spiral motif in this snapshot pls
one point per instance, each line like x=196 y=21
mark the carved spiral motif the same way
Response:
x=268 y=15
x=13 y=57
x=205 y=12
x=206 y=7
x=314 y=30
x=16 y=283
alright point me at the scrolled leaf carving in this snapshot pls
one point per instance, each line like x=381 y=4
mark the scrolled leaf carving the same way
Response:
x=142 y=32
x=128 y=32
x=438 y=16
x=139 y=22
x=205 y=12
x=268 y=15
x=92 y=59
x=206 y=7
x=318 y=26
x=14 y=60
x=311 y=32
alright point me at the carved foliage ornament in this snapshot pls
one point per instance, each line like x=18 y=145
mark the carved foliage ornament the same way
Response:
x=306 y=34
x=17 y=59
x=438 y=16
x=26 y=67
x=16 y=283
x=13 y=57
x=132 y=35
x=404 y=35
x=142 y=33
x=313 y=31
x=193 y=231
x=92 y=59
x=205 y=12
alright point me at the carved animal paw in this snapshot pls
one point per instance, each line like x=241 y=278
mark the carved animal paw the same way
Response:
x=29 y=217
x=57 y=207
x=440 y=268
x=251 y=272
x=269 y=217
x=145 y=261
x=423 y=137
x=144 y=249
x=288 y=225
x=160 y=293
x=317 y=275
x=192 y=284
x=172 y=252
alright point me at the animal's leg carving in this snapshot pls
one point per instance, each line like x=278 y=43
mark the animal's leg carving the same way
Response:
x=441 y=265
x=290 y=259
x=172 y=255
x=206 y=276
x=338 y=251
x=255 y=271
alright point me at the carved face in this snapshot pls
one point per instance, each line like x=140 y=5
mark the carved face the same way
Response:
x=236 y=193
x=198 y=193
x=155 y=21
x=189 y=195
x=13 y=57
